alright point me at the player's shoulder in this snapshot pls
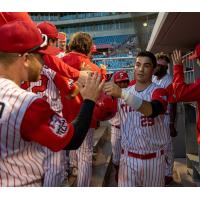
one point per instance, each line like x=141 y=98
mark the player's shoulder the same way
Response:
x=154 y=86
x=167 y=77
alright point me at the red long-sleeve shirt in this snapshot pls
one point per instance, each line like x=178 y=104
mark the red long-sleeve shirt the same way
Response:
x=62 y=68
x=72 y=107
x=187 y=92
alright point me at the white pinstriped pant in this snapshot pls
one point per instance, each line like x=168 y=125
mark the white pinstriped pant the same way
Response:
x=169 y=158
x=84 y=160
x=141 y=173
x=116 y=144
x=55 y=168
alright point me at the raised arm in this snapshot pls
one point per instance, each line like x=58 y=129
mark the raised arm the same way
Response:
x=182 y=91
x=42 y=125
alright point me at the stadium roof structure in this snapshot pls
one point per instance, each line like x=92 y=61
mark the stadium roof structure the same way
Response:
x=176 y=30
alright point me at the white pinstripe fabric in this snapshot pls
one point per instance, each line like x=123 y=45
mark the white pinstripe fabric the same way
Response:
x=20 y=161
x=84 y=160
x=55 y=164
x=164 y=83
x=115 y=139
x=51 y=91
x=135 y=172
x=141 y=135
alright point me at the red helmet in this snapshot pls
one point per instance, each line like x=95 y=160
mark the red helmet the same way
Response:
x=105 y=108
x=120 y=76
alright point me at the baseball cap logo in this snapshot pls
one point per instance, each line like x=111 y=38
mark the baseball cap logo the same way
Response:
x=121 y=75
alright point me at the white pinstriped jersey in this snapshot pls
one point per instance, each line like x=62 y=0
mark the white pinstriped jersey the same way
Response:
x=47 y=89
x=20 y=161
x=115 y=121
x=164 y=82
x=141 y=134
x=54 y=164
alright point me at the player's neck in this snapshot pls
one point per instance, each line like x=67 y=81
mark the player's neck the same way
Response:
x=8 y=74
x=140 y=86
x=160 y=76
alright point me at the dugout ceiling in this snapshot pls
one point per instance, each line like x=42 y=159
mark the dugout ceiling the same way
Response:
x=175 y=31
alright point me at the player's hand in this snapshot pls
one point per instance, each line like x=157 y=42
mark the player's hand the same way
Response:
x=82 y=77
x=93 y=86
x=85 y=66
x=177 y=58
x=173 y=132
x=112 y=89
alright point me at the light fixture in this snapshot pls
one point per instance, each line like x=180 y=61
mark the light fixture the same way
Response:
x=145 y=24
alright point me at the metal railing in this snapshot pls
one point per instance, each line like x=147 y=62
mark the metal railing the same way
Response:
x=114 y=64
x=189 y=66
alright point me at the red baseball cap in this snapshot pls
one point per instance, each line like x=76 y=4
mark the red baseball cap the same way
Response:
x=196 y=53
x=49 y=29
x=120 y=76
x=22 y=37
x=6 y=17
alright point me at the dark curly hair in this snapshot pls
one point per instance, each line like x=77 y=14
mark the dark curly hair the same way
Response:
x=149 y=55
x=81 y=42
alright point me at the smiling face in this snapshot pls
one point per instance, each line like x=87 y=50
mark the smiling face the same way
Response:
x=143 y=69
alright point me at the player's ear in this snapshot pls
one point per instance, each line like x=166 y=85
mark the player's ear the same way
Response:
x=26 y=59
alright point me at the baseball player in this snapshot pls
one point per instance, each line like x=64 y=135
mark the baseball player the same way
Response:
x=122 y=80
x=80 y=45
x=26 y=121
x=186 y=92
x=144 y=136
x=48 y=87
x=62 y=44
x=163 y=79
x=51 y=61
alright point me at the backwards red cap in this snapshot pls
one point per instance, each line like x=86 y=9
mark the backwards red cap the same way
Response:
x=196 y=53
x=22 y=37
x=6 y=17
x=120 y=76
x=49 y=29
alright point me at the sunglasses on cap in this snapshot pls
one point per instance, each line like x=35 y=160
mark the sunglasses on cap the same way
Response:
x=44 y=44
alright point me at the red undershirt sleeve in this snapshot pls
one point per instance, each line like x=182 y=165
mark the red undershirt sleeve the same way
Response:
x=161 y=95
x=42 y=125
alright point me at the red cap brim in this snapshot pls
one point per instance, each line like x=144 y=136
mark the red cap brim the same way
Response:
x=62 y=37
x=49 y=50
x=193 y=56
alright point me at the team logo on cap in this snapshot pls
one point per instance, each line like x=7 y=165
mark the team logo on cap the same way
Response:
x=121 y=75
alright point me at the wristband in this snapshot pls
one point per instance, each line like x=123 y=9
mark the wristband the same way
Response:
x=131 y=100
